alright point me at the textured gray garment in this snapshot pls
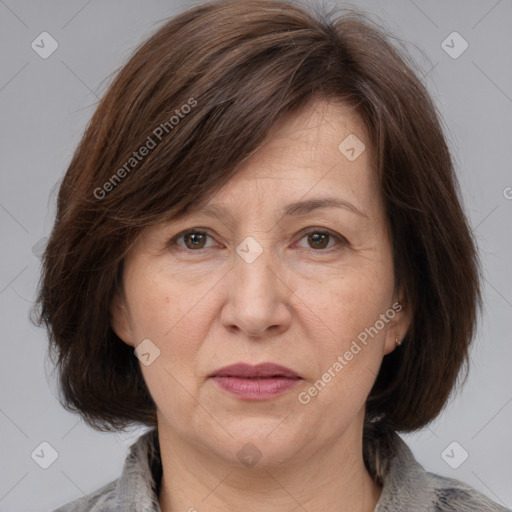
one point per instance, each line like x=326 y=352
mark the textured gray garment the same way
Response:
x=407 y=487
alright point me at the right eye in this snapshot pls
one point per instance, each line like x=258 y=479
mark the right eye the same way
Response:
x=193 y=240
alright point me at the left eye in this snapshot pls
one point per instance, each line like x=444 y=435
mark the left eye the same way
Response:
x=318 y=240
x=196 y=240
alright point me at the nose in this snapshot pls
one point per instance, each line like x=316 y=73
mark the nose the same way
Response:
x=257 y=301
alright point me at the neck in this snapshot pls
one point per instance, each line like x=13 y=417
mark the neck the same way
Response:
x=335 y=479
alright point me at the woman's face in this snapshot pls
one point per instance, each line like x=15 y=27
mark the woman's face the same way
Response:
x=310 y=289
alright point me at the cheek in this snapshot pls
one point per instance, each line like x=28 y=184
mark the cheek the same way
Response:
x=347 y=357
x=172 y=393
x=348 y=305
x=173 y=318
x=164 y=308
x=346 y=336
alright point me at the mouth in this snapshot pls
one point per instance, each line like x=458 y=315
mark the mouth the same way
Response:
x=260 y=382
x=260 y=371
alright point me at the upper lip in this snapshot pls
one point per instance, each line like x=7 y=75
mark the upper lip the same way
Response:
x=260 y=370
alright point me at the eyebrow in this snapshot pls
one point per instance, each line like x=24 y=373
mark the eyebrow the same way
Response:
x=295 y=209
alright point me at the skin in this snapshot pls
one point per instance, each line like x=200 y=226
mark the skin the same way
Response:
x=207 y=307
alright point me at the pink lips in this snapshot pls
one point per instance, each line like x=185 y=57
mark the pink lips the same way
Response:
x=260 y=382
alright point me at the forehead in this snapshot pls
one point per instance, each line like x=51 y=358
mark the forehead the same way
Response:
x=320 y=150
x=300 y=162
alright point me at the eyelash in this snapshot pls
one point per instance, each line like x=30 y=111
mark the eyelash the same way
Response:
x=338 y=238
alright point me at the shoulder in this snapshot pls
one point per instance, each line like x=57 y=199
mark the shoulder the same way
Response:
x=453 y=495
x=137 y=484
x=103 y=499
x=408 y=487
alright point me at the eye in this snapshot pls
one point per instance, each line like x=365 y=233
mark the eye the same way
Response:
x=318 y=240
x=192 y=239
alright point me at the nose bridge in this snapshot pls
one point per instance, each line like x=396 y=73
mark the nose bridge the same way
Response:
x=254 y=279
x=256 y=300
x=255 y=256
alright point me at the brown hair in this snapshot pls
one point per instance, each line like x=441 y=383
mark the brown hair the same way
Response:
x=201 y=95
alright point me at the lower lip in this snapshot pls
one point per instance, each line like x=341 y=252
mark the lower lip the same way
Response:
x=256 y=389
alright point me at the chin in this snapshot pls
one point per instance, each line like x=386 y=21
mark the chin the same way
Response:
x=262 y=442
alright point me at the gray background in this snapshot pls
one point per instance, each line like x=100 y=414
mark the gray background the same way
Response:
x=44 y=107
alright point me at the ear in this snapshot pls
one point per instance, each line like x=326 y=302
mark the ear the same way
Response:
x=120 y=319
x=398 y=325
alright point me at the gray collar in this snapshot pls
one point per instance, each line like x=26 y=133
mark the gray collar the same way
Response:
x=407 y=487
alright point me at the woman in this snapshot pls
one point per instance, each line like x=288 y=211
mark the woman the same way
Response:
x=260 y=251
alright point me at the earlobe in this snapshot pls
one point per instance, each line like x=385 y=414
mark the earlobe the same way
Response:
x=391 y=343
x=398 y=328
